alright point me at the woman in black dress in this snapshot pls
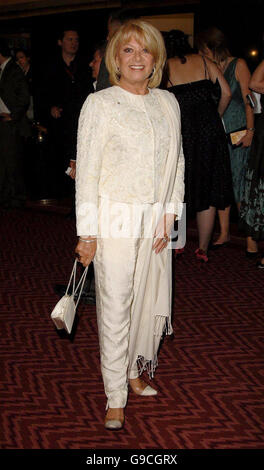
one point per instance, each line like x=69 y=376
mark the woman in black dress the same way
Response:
x=252 y=207
x=208 y=183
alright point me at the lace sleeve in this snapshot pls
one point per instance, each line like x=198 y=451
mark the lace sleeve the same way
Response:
x=177 y=197
x=178 y=190
x=90 y=142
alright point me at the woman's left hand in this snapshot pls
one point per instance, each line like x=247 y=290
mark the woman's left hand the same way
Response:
x=163 y=232
x=246 y=140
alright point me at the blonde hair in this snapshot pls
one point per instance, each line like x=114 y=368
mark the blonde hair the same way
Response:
x=145 y=34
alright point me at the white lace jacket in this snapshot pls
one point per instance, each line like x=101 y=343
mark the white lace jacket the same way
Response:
x=122 y=147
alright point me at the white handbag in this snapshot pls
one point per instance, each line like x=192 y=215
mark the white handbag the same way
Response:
x=64 y=311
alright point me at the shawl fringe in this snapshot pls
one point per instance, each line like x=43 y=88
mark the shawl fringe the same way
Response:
x=163 y=327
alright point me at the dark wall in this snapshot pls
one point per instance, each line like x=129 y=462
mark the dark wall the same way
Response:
x=241 y=20
x=43 y=31
x=92 y=27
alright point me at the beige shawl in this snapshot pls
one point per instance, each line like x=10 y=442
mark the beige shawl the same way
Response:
x=151 y=308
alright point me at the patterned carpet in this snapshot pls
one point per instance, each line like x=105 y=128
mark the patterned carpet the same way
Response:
x=210 y=376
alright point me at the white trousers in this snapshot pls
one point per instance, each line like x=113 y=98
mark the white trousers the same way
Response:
x=115 y=273
x=117 y=264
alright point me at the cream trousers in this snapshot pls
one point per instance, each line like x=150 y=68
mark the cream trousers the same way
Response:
x=117 y=266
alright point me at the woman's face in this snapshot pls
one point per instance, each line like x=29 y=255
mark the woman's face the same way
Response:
x=135 y=64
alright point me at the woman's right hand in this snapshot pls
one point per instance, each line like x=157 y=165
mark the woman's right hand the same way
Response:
x=86 y=251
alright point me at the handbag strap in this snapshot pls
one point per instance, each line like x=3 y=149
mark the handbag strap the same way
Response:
x=73 y=275
x=80 y=283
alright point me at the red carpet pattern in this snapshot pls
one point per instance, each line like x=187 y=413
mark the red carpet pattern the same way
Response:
x=210 y=376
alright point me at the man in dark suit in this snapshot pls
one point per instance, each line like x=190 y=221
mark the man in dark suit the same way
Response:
x=14 y=126
x=66 y=83
x=88 y=293
x=70 y=83
x=116 y=19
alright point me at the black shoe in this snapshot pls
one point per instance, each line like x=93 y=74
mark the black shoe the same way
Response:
x=216 y=246
x=88 y=297
x=252 y=254
x=70 y=215
x=259 y=264
x=60 y=289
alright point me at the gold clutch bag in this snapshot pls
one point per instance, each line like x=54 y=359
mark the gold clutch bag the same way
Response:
x=236 y=136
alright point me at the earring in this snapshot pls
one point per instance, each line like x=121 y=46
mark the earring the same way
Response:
x=153 y=71
x=118 y=74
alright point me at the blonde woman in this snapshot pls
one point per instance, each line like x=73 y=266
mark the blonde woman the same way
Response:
x=130 y=170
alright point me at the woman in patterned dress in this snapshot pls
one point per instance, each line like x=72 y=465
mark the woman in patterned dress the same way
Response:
x=252 y=207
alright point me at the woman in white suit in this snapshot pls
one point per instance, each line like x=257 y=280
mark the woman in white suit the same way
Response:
x=129 y=191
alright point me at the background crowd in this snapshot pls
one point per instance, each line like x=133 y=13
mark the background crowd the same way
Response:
x=222 y=127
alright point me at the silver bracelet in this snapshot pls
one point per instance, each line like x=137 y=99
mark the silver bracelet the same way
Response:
x=87 y=241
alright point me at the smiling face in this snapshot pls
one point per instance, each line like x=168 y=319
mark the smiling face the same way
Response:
x=135 y=64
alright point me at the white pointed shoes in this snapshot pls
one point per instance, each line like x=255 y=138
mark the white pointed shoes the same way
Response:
x=114 y=419
x=113 y=424
x=148 y=391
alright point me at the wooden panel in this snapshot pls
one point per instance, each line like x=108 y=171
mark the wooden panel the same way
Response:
x=22 y=8
x=182 y=21
x=49 y=3
x=25 y=8
x=45 y=3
